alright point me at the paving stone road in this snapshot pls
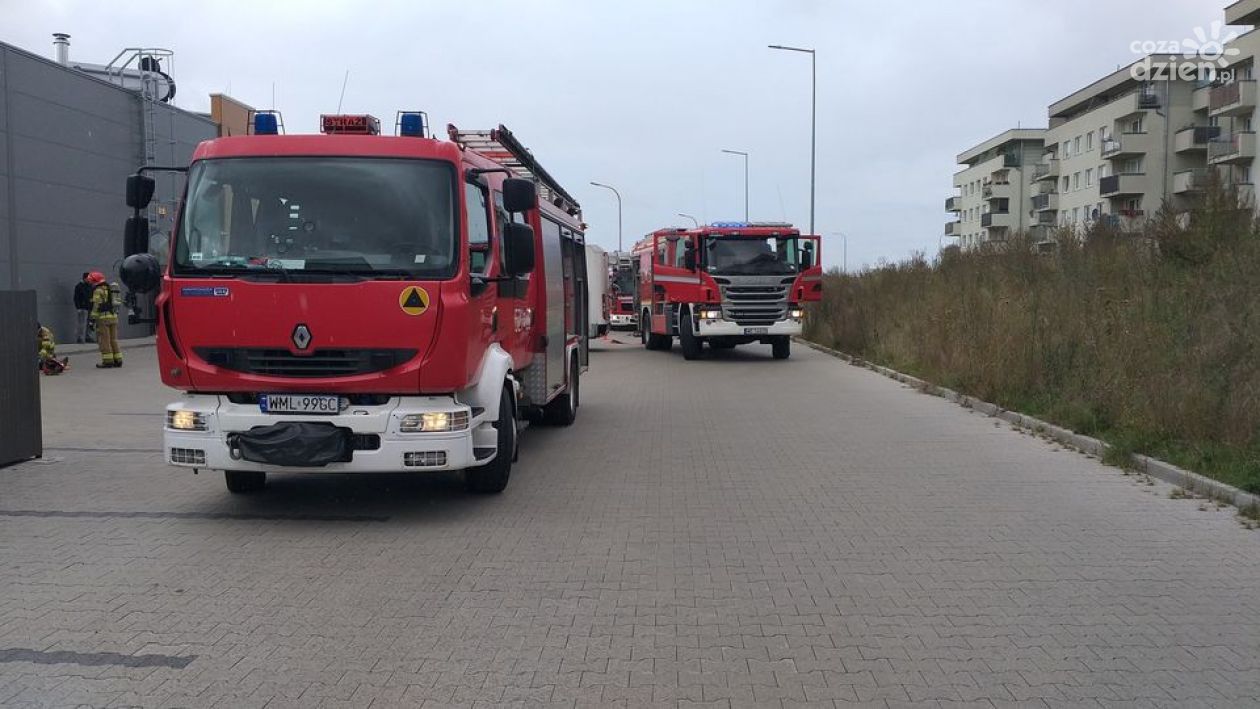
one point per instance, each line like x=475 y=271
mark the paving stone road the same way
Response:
x=737 y=531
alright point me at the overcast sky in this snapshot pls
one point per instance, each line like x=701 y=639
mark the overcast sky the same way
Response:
x=644 y=95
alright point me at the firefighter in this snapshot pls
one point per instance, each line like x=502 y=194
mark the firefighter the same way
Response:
x=105 y=315
x=48 y=362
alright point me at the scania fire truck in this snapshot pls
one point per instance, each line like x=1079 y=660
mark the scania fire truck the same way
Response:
x=726 y=284
x=354 y=302
x=621 y=285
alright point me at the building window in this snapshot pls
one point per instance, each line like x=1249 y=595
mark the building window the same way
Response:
x=1076 y=181
x=1089 y=177
x=1076 y=215
x=1067 y=149
x=1089 y=140
x=1135 y=126
x=1245 y=173
x=1076 y=145
x=1066 y=184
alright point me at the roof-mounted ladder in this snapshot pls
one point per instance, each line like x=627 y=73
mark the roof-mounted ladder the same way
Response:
x=501 y=146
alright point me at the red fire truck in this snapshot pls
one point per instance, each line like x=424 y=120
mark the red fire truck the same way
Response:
x=357 y=302
x=621 y=286
x=726 y=284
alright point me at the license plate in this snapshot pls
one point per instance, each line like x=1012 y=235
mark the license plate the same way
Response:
x=299 y=404
x=756 y=331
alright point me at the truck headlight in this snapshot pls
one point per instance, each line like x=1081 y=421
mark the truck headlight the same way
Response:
x=710 y=314
x=796 y=313
x=434 y=422
x=184 y=420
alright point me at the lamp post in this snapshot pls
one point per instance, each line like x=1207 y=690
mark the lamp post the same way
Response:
x=614 y=191
x=693 y=219
x=813 y=123
x=740 y=152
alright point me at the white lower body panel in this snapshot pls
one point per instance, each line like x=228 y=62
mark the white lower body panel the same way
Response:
x=727 y=328
x=210 y=448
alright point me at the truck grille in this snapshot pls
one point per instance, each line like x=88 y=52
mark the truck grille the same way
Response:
x=754 y=300
x=320 y=363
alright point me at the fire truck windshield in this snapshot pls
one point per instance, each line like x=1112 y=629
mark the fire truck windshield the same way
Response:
x=364 y=217
x=750 y=256
x=623 y=281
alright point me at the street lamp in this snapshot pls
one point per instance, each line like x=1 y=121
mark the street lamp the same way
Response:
x=740 y=152
x=813 y=123
x=693 y=219
x=614 y=191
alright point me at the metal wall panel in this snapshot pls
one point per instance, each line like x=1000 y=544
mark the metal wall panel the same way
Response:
x=70 y=142
x=21 y=431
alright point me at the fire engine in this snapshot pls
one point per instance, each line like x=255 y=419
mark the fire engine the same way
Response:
x=597 y=298
x=357 y=302
x=621 y=285
x=726 y=284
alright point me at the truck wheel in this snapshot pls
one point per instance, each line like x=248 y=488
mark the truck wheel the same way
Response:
x=691 y=345
x=493 y=476
x=242 y=481
x=782 y=347
x=643 y=331
x=562 y=411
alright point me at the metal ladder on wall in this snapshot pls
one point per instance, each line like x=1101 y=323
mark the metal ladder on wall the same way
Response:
x=501 y=146
x=123 y=70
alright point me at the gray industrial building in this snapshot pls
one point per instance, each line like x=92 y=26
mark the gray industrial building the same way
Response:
x=69 y=136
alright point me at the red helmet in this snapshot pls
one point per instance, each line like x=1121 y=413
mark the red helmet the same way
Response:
x=96 y=278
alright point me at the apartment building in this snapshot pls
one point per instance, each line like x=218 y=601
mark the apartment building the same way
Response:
x=1115 y=150
x=992 y=199
x=1231 y=106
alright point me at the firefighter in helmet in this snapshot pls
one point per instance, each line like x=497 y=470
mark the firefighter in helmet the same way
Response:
x=104 y=313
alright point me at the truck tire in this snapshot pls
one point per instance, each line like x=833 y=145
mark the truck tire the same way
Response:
x=492 y=477
x=643 y=331
x=691 y=345
x=782 y=347
x=562 y=411
x=243 y=481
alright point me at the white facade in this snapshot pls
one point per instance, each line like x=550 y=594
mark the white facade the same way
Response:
x=992 y=196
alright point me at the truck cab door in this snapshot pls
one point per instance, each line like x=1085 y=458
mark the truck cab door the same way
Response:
x=481 y=264
x=515 y=314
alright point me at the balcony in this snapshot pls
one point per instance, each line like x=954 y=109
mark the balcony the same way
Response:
x=1189 y=181
x=1234 y=98
x=1046 y=219
x=1044 y=202
x=1195 y=138
x=953 y=228
x=1243 y=12
x=953 y=204
x=1128 y=145
x=1142 y=100
x=1121 y=185
x=996 y=220
x=1230 y=148
x=1200 y=98
x=996 y=190
x=1048 y=170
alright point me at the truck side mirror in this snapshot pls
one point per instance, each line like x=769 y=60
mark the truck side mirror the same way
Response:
x=518 y=242
x=519 y=195
x=807 y=256
x=136 y=236
x=139 y=190
x=689 y=257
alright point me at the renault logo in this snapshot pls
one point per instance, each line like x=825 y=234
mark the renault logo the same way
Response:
x=301 y=337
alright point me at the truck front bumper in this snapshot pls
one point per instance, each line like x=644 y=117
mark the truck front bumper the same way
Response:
x=727 y=328
x=623 y=319
x=380 y=445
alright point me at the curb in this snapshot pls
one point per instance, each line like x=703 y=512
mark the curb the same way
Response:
x=132 y=343
x=1154 y=467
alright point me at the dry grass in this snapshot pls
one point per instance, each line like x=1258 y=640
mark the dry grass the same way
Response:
x=1148 y=339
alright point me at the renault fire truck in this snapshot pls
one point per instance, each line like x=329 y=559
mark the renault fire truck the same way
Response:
x=621 y=285
x=726 y=284
x=352 y=302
